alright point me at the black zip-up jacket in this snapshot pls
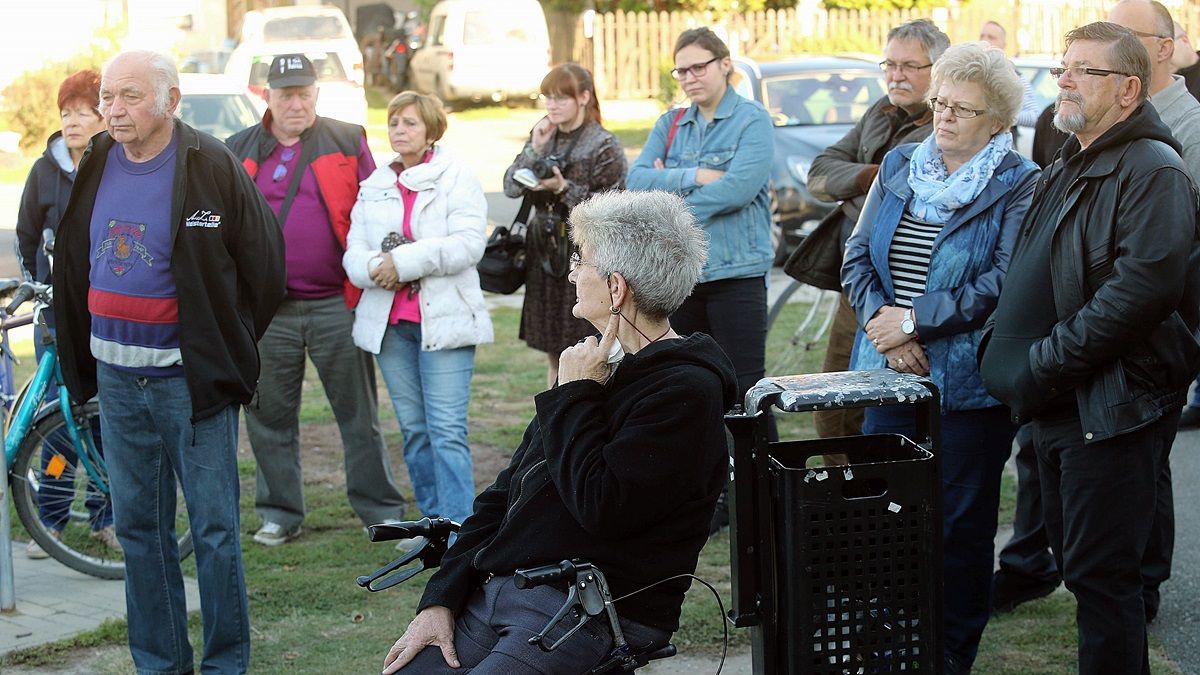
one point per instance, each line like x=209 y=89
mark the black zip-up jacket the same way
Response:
x=624 y=475
x=226 y=258
x=42 y=203
x=1125 y=271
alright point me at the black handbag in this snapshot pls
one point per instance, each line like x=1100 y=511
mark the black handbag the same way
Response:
x=502 y=268
x=817 y=261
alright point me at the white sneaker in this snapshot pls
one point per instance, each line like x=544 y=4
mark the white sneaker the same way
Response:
x=34 y=551
x=274 y=534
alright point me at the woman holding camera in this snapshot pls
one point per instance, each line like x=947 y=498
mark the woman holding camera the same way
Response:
x=568 y=158
x=416 y=234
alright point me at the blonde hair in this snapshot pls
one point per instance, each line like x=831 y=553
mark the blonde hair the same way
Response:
x=429 y=109
x=987 y=66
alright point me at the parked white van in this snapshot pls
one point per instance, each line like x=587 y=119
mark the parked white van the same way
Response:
x=482 y=49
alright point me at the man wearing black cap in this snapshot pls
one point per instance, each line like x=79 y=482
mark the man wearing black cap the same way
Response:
x=308 y=168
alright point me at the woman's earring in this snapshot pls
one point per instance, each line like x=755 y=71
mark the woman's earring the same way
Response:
x=615 y=309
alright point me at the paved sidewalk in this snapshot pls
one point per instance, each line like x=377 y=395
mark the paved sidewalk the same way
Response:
x=55 y=602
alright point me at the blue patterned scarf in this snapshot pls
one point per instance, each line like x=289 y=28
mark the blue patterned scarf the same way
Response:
x=937 y=194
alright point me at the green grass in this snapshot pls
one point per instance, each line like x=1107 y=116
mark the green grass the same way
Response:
x=308 y=616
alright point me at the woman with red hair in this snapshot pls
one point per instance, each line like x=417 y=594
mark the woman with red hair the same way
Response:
x=568 y=158
x=42 y=204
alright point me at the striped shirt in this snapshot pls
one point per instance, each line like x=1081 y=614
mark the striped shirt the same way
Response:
x=908 y=257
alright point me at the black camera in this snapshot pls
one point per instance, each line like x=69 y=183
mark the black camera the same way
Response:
x=543 y=167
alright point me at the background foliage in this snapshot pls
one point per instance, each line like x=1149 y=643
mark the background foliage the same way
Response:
x=30 y=102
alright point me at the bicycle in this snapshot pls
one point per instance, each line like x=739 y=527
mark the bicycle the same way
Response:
x=588 y=595
x=793 y=333
x=55 y=460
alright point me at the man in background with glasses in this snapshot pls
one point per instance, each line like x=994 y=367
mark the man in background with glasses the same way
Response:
x=1186 y=61
x=308 y=167
x=1094 y=336
x=845 y=170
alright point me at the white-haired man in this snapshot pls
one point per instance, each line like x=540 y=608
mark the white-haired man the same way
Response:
x=170 y=268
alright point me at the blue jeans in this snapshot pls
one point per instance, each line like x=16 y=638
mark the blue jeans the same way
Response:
x=975 y=445
x=55 y=495
x=429 y=392
x=152 y=443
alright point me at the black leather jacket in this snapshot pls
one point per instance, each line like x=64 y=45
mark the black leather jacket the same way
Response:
x=1125 y=270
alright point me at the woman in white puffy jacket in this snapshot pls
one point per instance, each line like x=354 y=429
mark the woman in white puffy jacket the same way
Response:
x=416 y=233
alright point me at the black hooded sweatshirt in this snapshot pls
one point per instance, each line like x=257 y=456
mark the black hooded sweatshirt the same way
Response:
x=42 y=204
x=624 y=475
x=1026 y=312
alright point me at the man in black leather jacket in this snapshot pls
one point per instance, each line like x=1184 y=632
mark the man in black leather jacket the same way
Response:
x=1101 y=364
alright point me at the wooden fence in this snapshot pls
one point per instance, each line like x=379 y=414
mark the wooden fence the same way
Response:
x=630 y=53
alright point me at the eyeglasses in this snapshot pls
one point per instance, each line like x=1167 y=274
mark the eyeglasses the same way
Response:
x=557 y=100
x=937 y=105
x=906 y=68
x=696 y=70
x=577 y=260
x=1150 y=35
x=1078 y=71
x=281 y=169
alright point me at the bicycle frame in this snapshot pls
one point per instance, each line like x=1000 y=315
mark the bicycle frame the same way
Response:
x=34 y=405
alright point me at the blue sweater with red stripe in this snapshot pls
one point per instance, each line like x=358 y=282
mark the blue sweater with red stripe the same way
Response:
x=132 y=299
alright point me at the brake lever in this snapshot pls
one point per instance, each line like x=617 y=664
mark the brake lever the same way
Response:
x=588 y=591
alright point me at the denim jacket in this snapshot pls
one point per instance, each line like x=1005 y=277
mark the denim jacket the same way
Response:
x=967 y=265
x=734 y=211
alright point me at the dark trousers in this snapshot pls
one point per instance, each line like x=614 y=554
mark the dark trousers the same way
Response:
x=1099 y=502
x=1027 y=552
x=491 y=635
x=734 y=313
x=975 y=444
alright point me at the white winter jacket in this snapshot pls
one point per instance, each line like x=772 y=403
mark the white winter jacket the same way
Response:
x=449 y=225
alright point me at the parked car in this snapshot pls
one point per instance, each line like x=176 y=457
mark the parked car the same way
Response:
x=341 y=96
x=813 y=102
x=480 y=49
x=1036 y=69
x=217 y=105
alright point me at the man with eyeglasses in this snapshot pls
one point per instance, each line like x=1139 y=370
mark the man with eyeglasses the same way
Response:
x=1093 y=339
x=1186 y=61
x=308 y=167
x=844 y=172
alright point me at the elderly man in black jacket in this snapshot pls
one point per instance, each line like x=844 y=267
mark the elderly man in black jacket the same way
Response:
x=1102 y=362
x=170 y=266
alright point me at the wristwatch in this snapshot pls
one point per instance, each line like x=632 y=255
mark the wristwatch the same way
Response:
x=907 y=325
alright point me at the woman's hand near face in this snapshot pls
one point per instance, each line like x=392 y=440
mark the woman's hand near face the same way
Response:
x=384 y=275
x=908 y=358
x=589 y=359
x=884 y=329
x=432 y=626
x=542 y=131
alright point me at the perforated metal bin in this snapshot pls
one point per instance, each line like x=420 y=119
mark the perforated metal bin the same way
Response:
x=837 y=569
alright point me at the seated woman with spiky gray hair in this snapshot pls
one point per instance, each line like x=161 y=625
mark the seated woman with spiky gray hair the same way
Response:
x=621 y=465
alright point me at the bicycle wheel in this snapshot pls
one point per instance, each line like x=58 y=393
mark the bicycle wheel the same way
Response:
x=796 y=326
x=62 y=507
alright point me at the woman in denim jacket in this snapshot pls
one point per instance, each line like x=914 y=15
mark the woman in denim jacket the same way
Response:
x=923 y=270
x=718 y=160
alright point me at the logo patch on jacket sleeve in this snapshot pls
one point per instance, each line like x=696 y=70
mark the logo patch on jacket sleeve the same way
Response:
x=203 y=218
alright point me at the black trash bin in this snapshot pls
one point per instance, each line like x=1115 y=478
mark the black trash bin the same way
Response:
x=837 y=569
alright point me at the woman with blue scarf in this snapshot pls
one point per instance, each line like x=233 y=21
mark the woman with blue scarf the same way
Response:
x=923 y=270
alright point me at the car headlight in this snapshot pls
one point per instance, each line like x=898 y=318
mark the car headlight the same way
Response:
x=800 y=166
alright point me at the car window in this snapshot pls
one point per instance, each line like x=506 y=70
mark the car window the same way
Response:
x=221 y=115
x=304 y=28
x=437 y=31
x=498 y=28
x=821 y=97
x=1045 y=86
x=327 y=64
x=741 y=82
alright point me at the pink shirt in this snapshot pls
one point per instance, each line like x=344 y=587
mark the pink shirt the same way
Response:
x=406 y=306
